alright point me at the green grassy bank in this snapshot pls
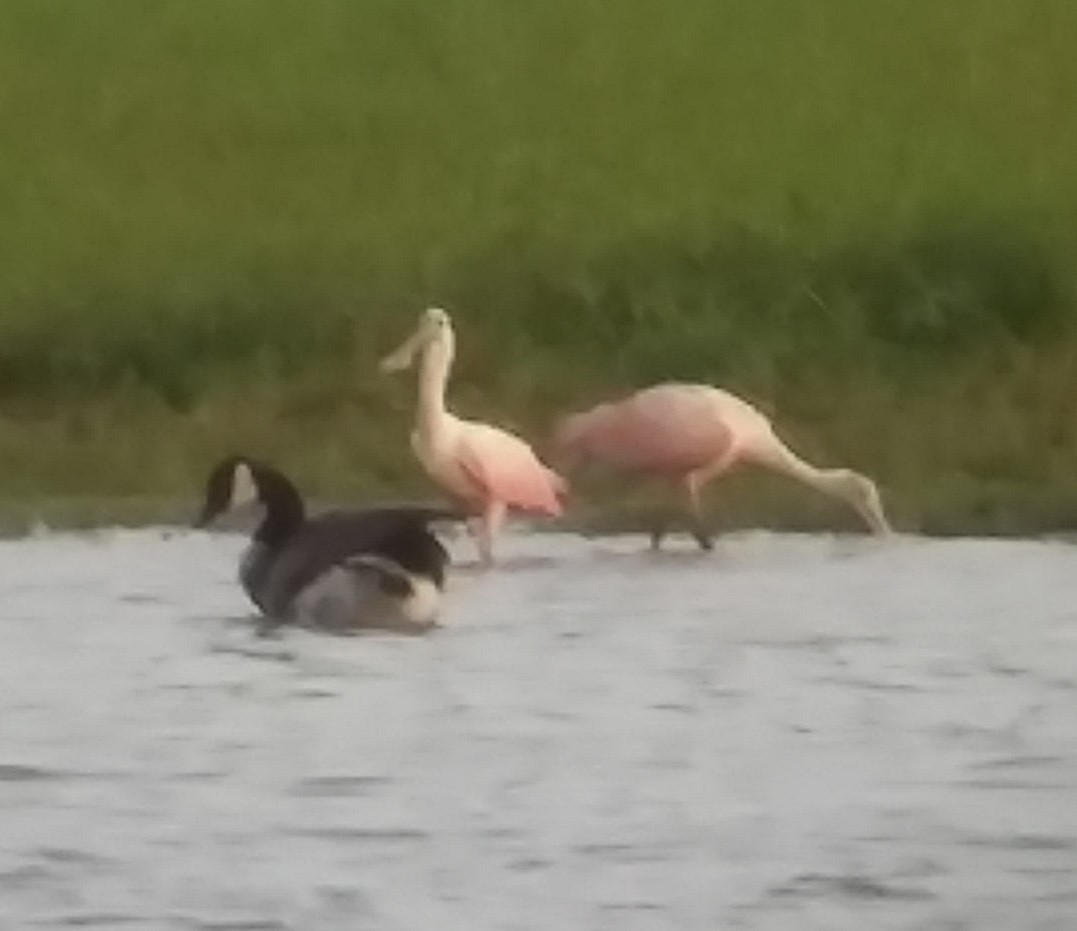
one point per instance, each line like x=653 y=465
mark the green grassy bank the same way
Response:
x=218 y=213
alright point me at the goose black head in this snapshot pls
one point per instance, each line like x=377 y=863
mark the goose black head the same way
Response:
x=233 y=483
x=238 y=482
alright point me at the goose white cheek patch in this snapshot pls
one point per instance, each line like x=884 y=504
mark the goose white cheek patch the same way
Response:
x=244 y=491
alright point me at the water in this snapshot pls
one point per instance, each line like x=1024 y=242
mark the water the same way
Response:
x=790 y=733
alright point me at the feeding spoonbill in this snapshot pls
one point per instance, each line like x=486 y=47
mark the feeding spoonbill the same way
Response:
x=488 y=469
x=689 y=434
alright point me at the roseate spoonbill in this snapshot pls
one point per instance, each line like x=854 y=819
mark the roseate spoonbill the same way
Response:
x=688 y=434
x=486 y=468
x=342 y=570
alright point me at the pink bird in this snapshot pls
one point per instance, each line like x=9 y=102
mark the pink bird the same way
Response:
x=689 y=434
x=488 y=469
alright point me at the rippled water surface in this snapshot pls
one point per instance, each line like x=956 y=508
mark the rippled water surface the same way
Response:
x=790 y=733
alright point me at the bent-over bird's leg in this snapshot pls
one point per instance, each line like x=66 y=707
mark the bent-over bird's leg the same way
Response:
x=472 y=518
x=663 y=516
x=693 y=484
x=659 y=529
x=493 y=516
x=696 y=525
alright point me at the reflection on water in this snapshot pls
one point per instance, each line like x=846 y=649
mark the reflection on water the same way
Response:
x=790 y=733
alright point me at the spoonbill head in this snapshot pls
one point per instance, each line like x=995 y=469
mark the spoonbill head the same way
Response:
x=861 y=493
x=434 y=331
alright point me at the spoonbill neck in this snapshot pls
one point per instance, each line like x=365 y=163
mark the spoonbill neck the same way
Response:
x=435 y=364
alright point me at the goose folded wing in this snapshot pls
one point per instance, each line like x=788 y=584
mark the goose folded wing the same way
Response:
x=401 y=534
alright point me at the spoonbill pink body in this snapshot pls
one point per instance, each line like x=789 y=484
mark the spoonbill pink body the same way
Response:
x=486 y=468
x=688 y=434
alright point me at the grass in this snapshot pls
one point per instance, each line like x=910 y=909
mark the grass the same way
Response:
x=217 y=215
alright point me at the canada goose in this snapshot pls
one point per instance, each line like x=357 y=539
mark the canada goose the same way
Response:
x=380 y=567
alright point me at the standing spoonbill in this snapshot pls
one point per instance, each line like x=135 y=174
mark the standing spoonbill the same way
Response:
x=688 y=434
x=488 y=469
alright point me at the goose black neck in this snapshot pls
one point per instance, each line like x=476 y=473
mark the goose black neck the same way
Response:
x=284 y=511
